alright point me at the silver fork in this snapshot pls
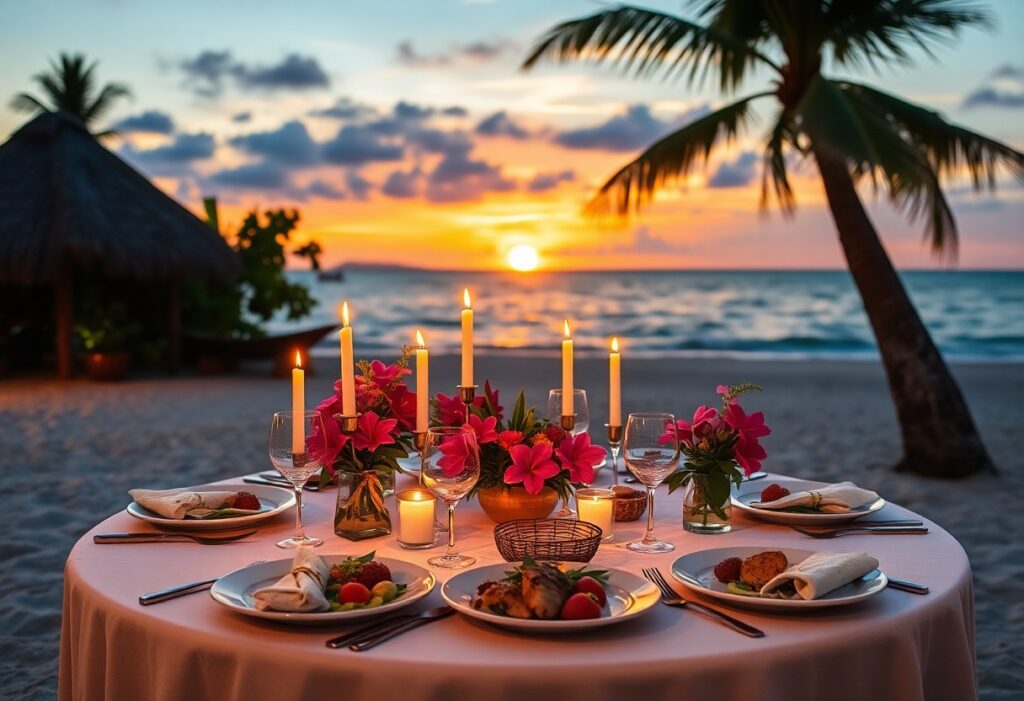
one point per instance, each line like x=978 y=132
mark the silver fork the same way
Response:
x=156 y=597
x=672 y=598
x=862 y=529
x=107 y=538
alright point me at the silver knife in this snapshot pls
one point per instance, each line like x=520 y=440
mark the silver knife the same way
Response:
x=156 y=597
x=416 y=622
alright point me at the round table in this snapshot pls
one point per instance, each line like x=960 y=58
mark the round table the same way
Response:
x=894 y=646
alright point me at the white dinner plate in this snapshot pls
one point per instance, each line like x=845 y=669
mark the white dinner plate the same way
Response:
x=629 y=596
x=747 y=493
x=235 y=590
x=696 y=571
x=273 y=500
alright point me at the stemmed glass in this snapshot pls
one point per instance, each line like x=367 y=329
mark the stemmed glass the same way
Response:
x=451 y=467
x=581 y=412
x=651 y=451
x=296 y=467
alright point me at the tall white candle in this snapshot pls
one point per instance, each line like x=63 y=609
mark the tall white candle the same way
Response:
x=348 y=375
x=467 y=340
x=422 y=384
x=568 y=408
x=298 y=407
x=615 y=385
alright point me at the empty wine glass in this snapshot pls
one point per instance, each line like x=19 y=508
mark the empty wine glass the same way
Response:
x=580 y=410
x=451 y=467
x=651 y=452
x=286 y=442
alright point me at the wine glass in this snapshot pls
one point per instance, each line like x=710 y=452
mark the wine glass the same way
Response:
x=451 y=467
x=581 y=412
x=651 y=452
x=296 y=467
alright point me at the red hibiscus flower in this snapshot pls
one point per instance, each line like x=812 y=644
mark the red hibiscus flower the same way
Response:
x=383 y=375
x=372 y=432
x=326 y=444
x=749 y=452
x=531 y=466
x=579 y=457
x=704 y=421
x=507 y=439
x=451 y=411
x=457 y=452
x=484 y=428
x=402 y=403
x=492 y=399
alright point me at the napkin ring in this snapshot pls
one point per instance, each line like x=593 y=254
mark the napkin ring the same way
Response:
x=311 y=573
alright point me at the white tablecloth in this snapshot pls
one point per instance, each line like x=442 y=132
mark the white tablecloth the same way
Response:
x=897 y=646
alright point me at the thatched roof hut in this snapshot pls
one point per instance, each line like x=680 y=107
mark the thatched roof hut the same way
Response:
x=69 y=206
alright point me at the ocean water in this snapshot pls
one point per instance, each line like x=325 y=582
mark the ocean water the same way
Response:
x=758 y=314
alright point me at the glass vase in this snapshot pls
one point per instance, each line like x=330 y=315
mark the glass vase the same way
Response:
x=707 y=508
x=361 y=512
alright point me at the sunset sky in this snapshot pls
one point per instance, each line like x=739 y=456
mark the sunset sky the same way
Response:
x=405 y=132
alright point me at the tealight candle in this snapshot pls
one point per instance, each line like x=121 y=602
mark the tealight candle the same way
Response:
x=415 y=519
x=597 y=506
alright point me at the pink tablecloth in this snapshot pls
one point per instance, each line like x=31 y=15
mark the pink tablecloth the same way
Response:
x=896 y=646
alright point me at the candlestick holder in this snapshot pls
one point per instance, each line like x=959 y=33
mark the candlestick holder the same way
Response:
x=419 y=439
x=348 y=422
x=467 y=393
x=615 y=445
x=568 y=423
x=298 y=459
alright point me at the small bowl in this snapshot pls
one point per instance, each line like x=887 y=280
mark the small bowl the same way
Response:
x=547 y=539
x=630 y=504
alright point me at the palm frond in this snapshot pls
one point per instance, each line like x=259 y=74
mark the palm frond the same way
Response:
x=23 y=102
x=774 y=177
x=645 y=41
x=671 y=157
x=105 y=100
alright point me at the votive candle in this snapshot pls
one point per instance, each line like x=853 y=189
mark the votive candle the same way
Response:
x=415 y=518
x=597 y=506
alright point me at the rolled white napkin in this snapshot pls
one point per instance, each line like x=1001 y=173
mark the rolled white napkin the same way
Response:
x=179 y=503
x=819 y=574
x=833 y=499
x=301 y=590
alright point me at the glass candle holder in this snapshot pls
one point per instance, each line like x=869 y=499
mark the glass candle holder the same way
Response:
x=597 y=506
x=415 y=519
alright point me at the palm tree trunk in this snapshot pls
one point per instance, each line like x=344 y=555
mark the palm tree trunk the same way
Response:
x=939 y=435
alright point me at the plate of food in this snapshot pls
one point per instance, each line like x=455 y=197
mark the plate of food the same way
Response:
x=313 y=589
x=549 y=597
x=806 y=503
x=210 y=507
x=780 y=578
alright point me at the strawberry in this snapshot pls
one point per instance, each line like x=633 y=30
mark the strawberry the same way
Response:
x=245 y=500
x=773 y=492
x=728 y=570
x=589 y=585
x=372 y=573
x=353 y=593
x=580 y=606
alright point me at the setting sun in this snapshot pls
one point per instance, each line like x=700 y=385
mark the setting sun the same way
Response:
x=523 y=258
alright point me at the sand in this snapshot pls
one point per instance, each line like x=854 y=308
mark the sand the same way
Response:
x=72 y=450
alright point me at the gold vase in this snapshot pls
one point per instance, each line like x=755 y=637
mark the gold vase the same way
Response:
x=512 y=503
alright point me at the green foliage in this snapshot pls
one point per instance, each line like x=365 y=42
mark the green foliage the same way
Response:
x=262 y=288
x=104 y=327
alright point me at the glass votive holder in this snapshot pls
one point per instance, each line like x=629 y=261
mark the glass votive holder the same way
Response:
x=415 y=519
x=597 y=506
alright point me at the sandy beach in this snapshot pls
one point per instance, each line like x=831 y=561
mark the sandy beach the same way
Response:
x=73 y=450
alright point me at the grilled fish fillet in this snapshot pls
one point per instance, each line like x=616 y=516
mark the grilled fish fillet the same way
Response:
x=757 y=570
x=502 y=598
x=545 y=588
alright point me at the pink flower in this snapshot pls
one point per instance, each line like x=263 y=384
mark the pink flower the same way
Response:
x=402 y=403
x=749 y=452
x=579 y=457
x=383 y=375
x=457 y=452
x=372 y=432
x=531 y=466
x=451 y=411
x=507 y=439
x=492 y=398
x=723 y=390
x=555 y=434
x=484 y=428
x=704 y=421
x=326 y=444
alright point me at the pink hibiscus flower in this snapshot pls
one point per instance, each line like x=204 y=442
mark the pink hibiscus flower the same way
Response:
x=484 y=428
x=326 y=444
x=372 y=432
x=451 y=411
x=402 y=403
x=704 y=421
x=749 y=452
x=531 y=466
x=457 y=451
x=579 y=457
x=383 y=375
x=507 y=439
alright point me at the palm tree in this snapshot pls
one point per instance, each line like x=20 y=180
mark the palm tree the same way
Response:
x=854 y=133
x=70 y=87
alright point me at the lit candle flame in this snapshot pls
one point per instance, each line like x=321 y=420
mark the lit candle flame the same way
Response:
x=465 y=298
x=298 y=359
x=615 y=344
x=419 y=339
x=344 y=313
x=565 y=328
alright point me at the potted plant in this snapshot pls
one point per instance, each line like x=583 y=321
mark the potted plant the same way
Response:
x=720 y=446
x=105 y=333
x=526 y=463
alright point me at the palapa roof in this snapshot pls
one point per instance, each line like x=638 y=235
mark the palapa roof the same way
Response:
x=65 y=198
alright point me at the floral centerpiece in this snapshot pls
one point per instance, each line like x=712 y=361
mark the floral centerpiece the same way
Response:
x=365 y=461
x=720 y=447
x=526 y=462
